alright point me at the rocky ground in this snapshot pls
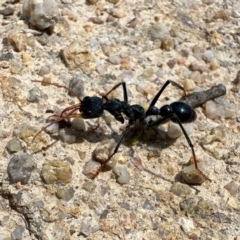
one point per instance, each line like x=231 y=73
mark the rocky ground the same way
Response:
x=46 y=189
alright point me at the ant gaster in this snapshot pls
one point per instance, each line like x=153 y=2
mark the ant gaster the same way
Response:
x=94 y=107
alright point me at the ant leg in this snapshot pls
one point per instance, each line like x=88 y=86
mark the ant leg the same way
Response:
x=161 y=91
x=114 y=152
x=74 y=107
x=166 y=119
x=45 y=83
x=59 y=119
x=125 y=96
x=192 y=148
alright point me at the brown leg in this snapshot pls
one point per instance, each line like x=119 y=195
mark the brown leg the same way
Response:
x=45 y=83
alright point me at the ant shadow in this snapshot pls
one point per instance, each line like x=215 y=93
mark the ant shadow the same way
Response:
x=153 y=137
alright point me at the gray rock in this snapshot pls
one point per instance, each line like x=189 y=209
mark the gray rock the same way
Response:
x=159 y=31
x=17 y=233
x=34 y=94
x=76 y=85
x=123 y=176
x=65 y=193
x=42 y=13
x=14 y=145
x=180 y=189
x=147 y=205
x=20 y=168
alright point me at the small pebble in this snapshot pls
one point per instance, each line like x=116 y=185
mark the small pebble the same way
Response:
x=44 y=70
x=89 y=187
x=214 y=65
x=123 y=176
x=39 y=203
x=116 y=60
x=159 y=31
x=194 y=66
x=144 y=87
x=118 y=13
x=186 y=224
x=14 y=145
x=67 y=137
x=92 y=2
x=54 y=127
x=232 y=188
x=167 y=44
x=232 y=202
x=53 y=171
x=26 y=58
x=42 y=14
x=20 y=168
x=17 y=233
x=192 y=176
x=94 y=45
x=7 y=11
x=34 y=94
x=196 y=76
x=85 y=228
x=24 y=131
x=174 y=130
x=18 y=41
x=208 y=56
x=133 y=23
x=147 y=205
x=79 y=124
x=43 y=39
x=90 y=168
x=219 y=217
x=180 y=189
x=214 y=111
x=188 y=205
x=65 y=193
x=185 y=53
x=197 y=207
x=189 y=85
x=76 y=55
x=171 y=63
x=127 y=76
x=147 y=74
x=96 y=20
x=76 y=84
x=103 y=150
x=101 y=69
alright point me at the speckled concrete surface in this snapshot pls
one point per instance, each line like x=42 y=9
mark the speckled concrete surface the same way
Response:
x=143 y=43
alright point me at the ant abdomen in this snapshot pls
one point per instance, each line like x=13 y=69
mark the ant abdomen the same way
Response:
x=184 y=112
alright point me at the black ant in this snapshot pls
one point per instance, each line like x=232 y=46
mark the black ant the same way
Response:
x=93 y=107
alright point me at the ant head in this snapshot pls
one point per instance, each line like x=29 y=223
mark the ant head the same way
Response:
x=91 y=107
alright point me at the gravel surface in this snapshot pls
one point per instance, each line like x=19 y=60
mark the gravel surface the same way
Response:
x=47 y=191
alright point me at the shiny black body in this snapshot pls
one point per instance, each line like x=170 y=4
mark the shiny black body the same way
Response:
x=93 y=107
x=178 y=112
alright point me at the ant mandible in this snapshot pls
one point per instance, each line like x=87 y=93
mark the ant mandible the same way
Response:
x=93 y=107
